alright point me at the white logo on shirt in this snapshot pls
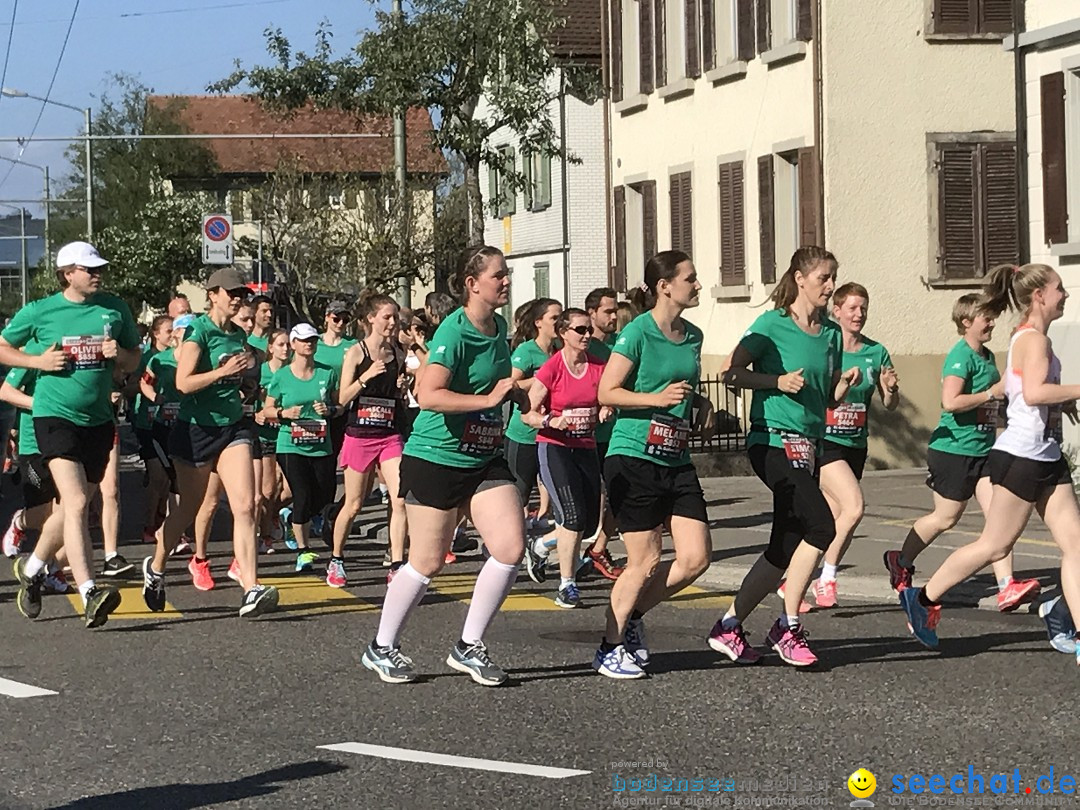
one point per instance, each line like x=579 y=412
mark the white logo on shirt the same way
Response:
x=958 y=365
x=440 y=350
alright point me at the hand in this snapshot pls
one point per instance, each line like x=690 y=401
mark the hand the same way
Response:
x=52 y=359
x=792 y=382
x=320 y=408
x=234 y=366
x=499 y=393
x=373 y=371
x=260 y=418
x=606 y=413
x=851 y=376
x=674 y=394
x=115 y=397
x=1069 y=409
x=998 y=389
x=558 y=423
x=109 y=348
x=704 y=418
x=291 y=413
x=890 y=380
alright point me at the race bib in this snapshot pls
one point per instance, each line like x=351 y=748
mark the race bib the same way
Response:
x=152 y=412
x=169 y=412
x=482 y=435
x=83 y=352
x=800 y=451
x=580 y=422
x=308 y=431
x=248 y=409
x=846 y=419
x=1054 y=432
x=986 y=417
x=375 y=412
x=668 y=436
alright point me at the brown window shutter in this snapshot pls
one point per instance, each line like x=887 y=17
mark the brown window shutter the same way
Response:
x=767 y=219
x=956 y=16
x=998 y=204
x=648 y=218
x=660 y=40
x=1055 y=190
x=693 y=39
x=744 y=13
x=995 y=17
x=619 y=276
x=804 y=23
x=764 y=25
x=645 y=46
x=687 y=212
x=616 y=50
x=675 y=209
x=808 y=198
x=738 y=218
x=708 y=33
x=732 y=226
x=957 y=210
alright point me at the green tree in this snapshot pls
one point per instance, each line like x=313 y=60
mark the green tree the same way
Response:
x=443 y=56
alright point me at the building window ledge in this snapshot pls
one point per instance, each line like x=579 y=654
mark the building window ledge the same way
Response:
x=784 y=53
x=1065 y=249
x=726 y=73
x=956 y=283
x=930 y=36
x=730 y=292
x=631 y=104
x=677 y=88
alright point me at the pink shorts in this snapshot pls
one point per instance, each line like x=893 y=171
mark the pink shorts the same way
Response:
x=361 y=454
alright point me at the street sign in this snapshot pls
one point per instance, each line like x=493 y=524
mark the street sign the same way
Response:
x=217 y=239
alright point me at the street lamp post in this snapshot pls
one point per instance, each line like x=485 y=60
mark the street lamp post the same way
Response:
x=47 y=200
x=11 y=92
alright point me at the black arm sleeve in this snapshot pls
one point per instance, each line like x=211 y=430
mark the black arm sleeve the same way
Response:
x=745 y=378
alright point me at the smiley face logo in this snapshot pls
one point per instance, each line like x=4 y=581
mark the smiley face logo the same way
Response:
x=862 y=784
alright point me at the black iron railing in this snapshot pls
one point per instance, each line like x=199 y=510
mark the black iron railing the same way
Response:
x=730 y=433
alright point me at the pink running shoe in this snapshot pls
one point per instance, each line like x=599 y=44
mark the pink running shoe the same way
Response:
x=899 y=577
x=451 y=558
x=234 y=571
x=1017 y=593
x=790 y=644
x=335 y=574
x=824 y=593
x=733 y=644
x=200 y=574
x=804 y=606
x=13 y=537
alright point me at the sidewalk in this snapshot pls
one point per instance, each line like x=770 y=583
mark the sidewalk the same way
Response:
x=740 y=518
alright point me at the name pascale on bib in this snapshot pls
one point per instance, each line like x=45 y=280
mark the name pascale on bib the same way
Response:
x=375 y=412
x=84 y=352
x=846 y=419
x=668 y=436
x=482 y=435
x=308 y=431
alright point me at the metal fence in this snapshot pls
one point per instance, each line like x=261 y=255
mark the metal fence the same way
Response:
x=730 y=433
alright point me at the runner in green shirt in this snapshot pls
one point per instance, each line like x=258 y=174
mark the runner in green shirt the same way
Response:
x=156 y=479
x=210 y=436
x=263 y=325
x=651 y=379
x=267 y=478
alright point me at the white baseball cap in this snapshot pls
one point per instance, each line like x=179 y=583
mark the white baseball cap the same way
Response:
x=303 y=331
x=81 y=254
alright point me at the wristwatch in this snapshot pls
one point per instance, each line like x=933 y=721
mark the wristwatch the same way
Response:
x=547 y=420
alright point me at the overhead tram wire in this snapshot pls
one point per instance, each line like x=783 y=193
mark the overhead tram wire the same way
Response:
x=127 y=15
x=11 y=34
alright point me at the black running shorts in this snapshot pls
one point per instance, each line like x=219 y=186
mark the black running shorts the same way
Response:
x=89 y=446
x=425 y=483
x=643 y=494
x=1025 y=478
x=952 y=476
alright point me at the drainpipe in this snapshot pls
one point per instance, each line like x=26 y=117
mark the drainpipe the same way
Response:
x=605 y=73
x=819 y=121
x=1020 y=82
x=565 y=189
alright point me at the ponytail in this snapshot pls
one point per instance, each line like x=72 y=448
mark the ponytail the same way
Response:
x=1011 y=287
x=664 y=266
x=525 y=318
x=803 y=261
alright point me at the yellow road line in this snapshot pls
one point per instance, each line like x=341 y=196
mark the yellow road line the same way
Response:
x=906 y=524
x=131 y=606
x=694 y=597
x=460 y=587
x=306 y=594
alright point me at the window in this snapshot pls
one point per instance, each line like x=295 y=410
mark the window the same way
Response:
x=542 y=279
x=682 y=213
x=501 y=198
x=537 y=169
x=727 y=32
x=1060 y=129
x=235 y=204
x=635 y=232
x=788 y=206
x=779 y=22
x=976 y=205
x=732 y=225
x=992 y=18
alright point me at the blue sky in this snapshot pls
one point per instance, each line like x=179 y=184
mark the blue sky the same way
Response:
x=173 y=46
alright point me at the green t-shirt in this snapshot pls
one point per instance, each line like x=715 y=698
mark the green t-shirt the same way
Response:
x=142 y=407
x=659 y=435
x=80 y=393
x=971 y=433
x=217 y=404
x=258 y=342
x=308 y=435
x=476 y=363
x=268 y=431
x=162 y=372
x=846 y=424
x=778 y=347
x=527 y=358
x=24 y=379
x=601 y=349
x=333 y=356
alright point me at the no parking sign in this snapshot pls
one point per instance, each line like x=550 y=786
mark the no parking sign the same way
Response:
x=217 y=239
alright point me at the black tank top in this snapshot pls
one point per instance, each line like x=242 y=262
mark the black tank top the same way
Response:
x=377 y=410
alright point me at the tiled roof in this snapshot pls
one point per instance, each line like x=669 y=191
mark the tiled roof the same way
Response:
x=578 y=38
x=243 y=114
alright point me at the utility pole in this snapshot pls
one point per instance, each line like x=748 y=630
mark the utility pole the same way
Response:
x=89 y=179
x=48 y=245
x=401 y=182
x=22 y=240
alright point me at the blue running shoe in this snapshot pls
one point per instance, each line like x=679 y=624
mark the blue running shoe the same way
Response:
x=474 y=661
x=922 y=621
x=317 y=523
x=306 y=560
x=1060 y=628
x=286 y=527
x=568 y=597
x=617 y=664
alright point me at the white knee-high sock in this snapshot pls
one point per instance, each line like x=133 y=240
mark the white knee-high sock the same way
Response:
x=402 y=595
x=492 y=586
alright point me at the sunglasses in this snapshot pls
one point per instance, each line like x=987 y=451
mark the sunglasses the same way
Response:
x=239 y=292
x=339 y=318
x=93 y=271
x=581 y=330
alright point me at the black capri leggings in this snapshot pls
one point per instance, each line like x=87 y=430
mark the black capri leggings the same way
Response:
x=800 y=511
x=524 y=463
x=313 y=481
x=572 y=477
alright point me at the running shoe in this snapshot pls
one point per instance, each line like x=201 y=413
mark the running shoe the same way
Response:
x=450 y=558
x=201 y=577
x=1017 y=593
x=153 y=589
x=603 y=564
x=259 y=600
x=617 y=663
x=234 y=572
x=388 y=663
x=634 y=641
x=922 y=621
x=55 y=581
x=568 y=597
x=14 y=536
x=266 y=545
x=335 y=574
x=29 y=597
x=791 y=645
x=184 y=546
x=317 y=523
x=100 y=602
x=285 y=515
x=387 y=560
x=732 y=643
x=804 y=606
x=824 y=592
x=535 y=565
x=463 y=544
x=473 y=660
x=305 y=560
x=899 y=576
x=384 y=497
x=394 y=568
x=116 y=567
x=1060 y=628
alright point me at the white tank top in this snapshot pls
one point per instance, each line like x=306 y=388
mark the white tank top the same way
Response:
x=1033 y=431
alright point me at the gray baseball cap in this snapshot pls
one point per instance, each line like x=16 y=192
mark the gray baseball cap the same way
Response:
x=227 y=278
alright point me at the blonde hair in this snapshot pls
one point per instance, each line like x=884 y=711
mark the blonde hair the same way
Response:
x=1012 y=287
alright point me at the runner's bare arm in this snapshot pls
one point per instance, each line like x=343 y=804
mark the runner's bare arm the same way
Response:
x=1031 y=354
x=538 y=395
x=889 y=388
x=190 y=382
x=52 y=359
x=434 y=394
x=612 y=393
x=953 y=400
x=13 y=396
